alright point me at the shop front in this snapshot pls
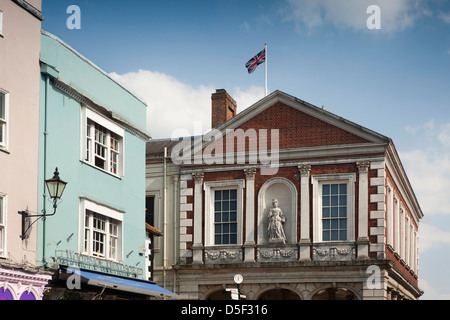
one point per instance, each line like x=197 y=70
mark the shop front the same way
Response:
x=21 y=282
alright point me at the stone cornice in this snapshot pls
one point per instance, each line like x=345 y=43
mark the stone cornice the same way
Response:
x=231 y=167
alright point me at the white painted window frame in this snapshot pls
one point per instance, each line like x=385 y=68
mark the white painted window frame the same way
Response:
x=390 y=213
x=89 y=158
x=107 y=213
x=396 y=219
x=5 y=121
x=1 y=23
x=317 y=181
x=3 y=215
x=209 y=188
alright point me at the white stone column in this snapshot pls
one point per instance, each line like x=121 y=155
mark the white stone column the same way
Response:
x=362 y=240
x=174 y=242
x=197 y=246
x=305 y=237
x=249 y=244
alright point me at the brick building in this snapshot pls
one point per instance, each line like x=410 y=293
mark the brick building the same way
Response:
x=302 y=203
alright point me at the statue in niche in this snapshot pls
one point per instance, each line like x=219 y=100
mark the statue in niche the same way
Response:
x=276 y=220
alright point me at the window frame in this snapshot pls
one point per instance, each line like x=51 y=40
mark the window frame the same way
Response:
x=225 y=212
x=89 y=122
x=390 y=214
x=90 y=210
x=210 y=187
x=318 y=181
x=1 y=24
x=4 y=144
x=335 y=189
x=3 y=215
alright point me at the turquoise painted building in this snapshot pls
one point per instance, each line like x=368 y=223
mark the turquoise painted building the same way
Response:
x=93 y=130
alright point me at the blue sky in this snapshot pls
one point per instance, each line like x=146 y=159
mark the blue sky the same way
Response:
x=394 y=80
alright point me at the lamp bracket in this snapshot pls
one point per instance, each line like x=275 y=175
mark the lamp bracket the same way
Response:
x=26 y=225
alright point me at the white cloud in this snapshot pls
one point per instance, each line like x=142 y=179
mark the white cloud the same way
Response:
x=444 y=17
x=413 y=129
x=430 y=179
x=432 y=237
x=245 y=98
x=246 y=26
x=430 y=293
x=174 y=105
x=444 y=135
x=395 y=15
x=428 y=167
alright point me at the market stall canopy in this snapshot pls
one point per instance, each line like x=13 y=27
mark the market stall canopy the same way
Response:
x=119 y=283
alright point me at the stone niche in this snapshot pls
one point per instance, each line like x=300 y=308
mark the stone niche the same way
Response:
x=285 y=192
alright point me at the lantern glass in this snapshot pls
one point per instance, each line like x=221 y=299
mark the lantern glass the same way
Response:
x=55 y=186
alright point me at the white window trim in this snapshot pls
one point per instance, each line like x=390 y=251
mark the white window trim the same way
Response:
x=416 y=251
x=107 y=212
x=396 y=228
x=390 y=214
x=402 y=232
x=1 y=23
x=407 y=240
x=86 y=114
x=5 y=144
x=317 y=181
x=3 y=209
x=210 y=187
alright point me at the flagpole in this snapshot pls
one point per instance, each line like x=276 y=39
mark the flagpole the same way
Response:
x=265 y=86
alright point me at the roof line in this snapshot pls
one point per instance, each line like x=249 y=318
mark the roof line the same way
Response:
x=28 y=7
x=82 y=57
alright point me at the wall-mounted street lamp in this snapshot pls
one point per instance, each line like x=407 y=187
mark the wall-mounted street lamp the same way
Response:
x=55 y=188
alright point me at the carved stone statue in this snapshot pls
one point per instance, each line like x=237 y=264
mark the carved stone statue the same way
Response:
x=276 y=220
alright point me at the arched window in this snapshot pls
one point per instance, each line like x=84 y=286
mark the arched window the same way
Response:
x=27 y=296
x=5 y=294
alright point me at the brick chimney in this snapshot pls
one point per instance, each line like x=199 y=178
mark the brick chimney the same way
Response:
x=223 y=108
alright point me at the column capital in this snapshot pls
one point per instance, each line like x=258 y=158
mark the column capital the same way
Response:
x=363 y=166
x=198 y=177
x=250 y=173
x=304 y=169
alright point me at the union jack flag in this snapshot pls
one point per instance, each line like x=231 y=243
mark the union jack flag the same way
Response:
x=256 y=61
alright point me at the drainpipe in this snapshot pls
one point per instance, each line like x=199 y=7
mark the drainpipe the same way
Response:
x=175 y=226
x=48 y=72
x=165 y=218
x=44 y=194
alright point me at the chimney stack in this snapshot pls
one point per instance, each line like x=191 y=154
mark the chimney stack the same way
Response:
x=223 y=108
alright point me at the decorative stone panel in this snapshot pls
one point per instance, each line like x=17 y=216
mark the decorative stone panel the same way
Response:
x=277 y=254
x=341 y=252
x=223 y=255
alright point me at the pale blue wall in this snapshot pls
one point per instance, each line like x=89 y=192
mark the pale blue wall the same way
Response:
x=63 y=151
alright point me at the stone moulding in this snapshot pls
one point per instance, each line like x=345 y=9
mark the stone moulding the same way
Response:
x=223 y=255
x=334 y=253
x=276 y=254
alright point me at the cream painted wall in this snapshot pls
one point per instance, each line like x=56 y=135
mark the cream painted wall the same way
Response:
x=19 y=77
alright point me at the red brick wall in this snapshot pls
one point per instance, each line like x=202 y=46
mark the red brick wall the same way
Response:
x=292 y=174
x=390 y=255
x=296 y=129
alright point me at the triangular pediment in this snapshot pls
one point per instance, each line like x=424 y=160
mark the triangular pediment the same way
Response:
x=299 y=125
